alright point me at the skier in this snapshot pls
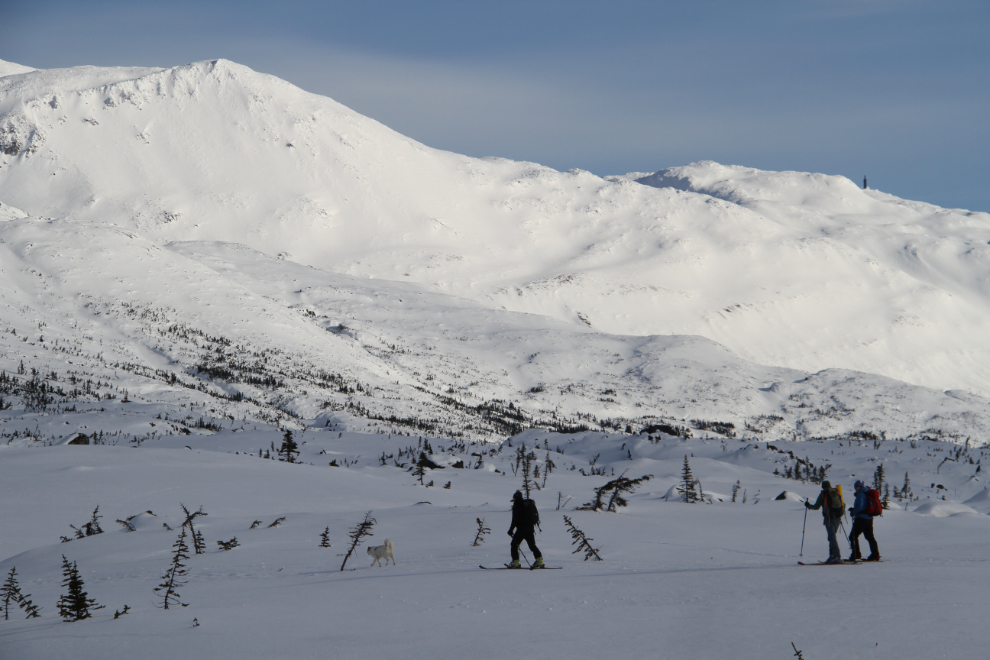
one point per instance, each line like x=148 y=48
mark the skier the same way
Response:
x=525 y=518
x=830 y=502
x=862 y=524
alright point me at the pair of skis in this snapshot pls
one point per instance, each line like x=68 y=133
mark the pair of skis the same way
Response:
x=506 y=567
x=825 y=563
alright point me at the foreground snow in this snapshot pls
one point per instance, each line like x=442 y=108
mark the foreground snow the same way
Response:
x=678 y=580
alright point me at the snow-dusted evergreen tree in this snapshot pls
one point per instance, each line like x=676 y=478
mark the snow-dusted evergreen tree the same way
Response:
x=199 y=543
x=736 y=488
x=357 y=533
x=479 y=537
x=906 y=488
x=878 y=478
x=10 y=594
x=422 y=464
x=228 y=545
x=614 y=489
x=289 y=448
x=172 y=580
x=581 y=540
x=76 y=604
x=325 y=538
x=688 y=489
x=525 y=461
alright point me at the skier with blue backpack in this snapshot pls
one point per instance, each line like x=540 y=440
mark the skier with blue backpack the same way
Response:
x=866 y=506
x=525 y=519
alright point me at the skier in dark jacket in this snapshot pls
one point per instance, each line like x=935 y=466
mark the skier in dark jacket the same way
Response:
x=525 y=518
x=862 y=524
x=832 y=517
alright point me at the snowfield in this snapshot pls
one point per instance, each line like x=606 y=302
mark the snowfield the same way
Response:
x=710 y=580
x=196 y=261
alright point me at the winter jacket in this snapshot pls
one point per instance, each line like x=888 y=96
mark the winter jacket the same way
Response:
x=859 y=507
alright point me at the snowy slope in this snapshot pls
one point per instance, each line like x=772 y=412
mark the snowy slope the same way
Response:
x=797 y=270
x=677 y=580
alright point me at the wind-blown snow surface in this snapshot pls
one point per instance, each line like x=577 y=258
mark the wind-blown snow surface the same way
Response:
x=712 y=580
x=802 y=271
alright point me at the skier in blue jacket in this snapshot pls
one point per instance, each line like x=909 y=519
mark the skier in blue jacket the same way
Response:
x=862 y=524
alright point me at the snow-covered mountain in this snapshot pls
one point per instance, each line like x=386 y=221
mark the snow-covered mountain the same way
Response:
x=214 y=237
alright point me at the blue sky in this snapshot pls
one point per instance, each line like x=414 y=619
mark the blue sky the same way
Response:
x=898 y=90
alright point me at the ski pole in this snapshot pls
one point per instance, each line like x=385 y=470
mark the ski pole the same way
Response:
x=525 y=557
x=843 y=528
x=803 y=526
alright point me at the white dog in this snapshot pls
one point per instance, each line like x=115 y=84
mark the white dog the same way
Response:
x=380 y=552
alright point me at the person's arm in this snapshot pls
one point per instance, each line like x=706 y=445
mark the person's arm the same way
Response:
x=860 y=502
x=513 y=525
x=818 y=503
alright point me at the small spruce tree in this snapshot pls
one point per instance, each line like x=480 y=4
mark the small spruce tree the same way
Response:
x=289 y=448
x=357 y=533
x=172 y=579
x=878 y=478
x=199 y=544
x=10 y=594
x=76 y=604
x=325 y=538
x=228 y=545
x=479 y=537
x=738 y=486
x=615 y=490
x=581 y=540
x=687 y=489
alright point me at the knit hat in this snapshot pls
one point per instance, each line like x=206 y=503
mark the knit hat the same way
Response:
x=859 y=484
x=517 y=495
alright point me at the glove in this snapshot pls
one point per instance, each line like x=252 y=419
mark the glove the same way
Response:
x=510 y=532
x=851 y=511
x=807 y=505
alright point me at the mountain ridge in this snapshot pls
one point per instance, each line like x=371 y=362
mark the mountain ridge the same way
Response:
x=147 y=172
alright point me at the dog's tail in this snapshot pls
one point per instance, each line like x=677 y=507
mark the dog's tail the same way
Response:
x=390 y=544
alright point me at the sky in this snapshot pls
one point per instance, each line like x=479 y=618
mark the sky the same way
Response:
x=895 y=90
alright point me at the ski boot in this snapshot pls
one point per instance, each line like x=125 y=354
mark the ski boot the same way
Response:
x=515 y=564
x=539 y=563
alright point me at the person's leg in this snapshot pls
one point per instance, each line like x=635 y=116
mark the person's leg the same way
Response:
x=831 y=527
x=857 y=529
x=531 y=542
x=517 y=538
x=868 y=533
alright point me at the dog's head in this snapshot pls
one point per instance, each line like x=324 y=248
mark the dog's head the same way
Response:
x=371 y=550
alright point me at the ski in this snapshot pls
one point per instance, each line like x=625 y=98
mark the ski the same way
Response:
x=823 y=563
x=506 y=567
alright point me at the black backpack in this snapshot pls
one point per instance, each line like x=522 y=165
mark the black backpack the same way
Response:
x=528 y=514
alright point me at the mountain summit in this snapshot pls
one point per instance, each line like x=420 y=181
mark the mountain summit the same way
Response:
x=179 y=187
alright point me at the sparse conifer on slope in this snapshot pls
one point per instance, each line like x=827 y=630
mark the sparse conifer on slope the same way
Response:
x=172 y=580
x=76 y=604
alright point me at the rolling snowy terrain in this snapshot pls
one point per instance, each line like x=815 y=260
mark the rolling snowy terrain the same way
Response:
x=194 y=261
x=705 y=580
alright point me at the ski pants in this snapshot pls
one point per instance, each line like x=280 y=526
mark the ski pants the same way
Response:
x=831 y=527
x=524 y=535
x=863 y=526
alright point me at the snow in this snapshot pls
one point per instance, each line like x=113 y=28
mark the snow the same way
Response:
x=803 y=271
x=195 y=260
x=704 y=579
